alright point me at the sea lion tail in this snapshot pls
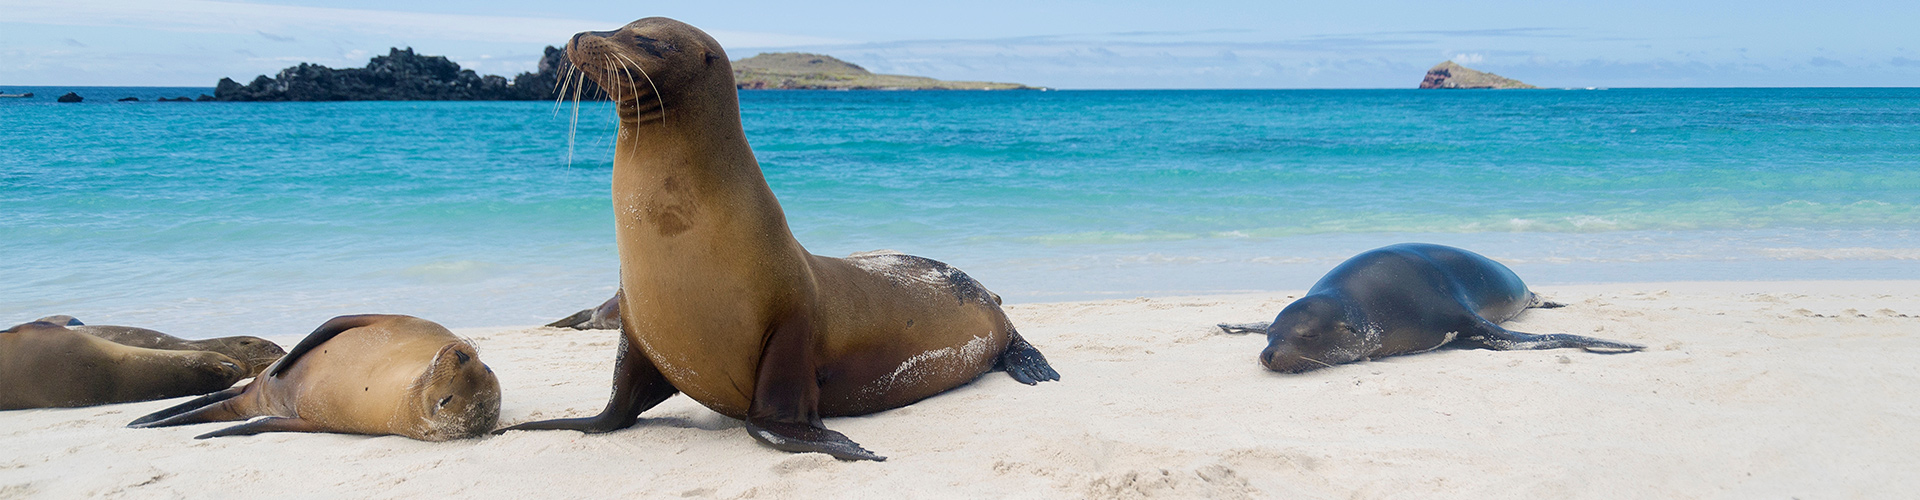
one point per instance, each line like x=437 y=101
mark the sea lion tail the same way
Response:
x=208 y=408
x=1500 y=339
x=1024 y=363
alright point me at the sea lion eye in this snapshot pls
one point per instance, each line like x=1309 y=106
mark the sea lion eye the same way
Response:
x=444 y=401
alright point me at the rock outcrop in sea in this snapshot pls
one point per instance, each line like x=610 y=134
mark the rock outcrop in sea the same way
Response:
x=1448 y=75
x=402 y=75
x=803 y=71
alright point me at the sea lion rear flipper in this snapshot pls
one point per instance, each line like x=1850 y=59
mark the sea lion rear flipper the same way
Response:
x=1500 y=339
x=202 y=409
x=1024 y=363
x=785 y=412
x=575 y=319
x=326 y=331
x=1243 y=328
x=637 y=386
x=269 y=424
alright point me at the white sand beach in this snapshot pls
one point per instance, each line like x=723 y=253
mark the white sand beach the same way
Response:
x=1747 y=390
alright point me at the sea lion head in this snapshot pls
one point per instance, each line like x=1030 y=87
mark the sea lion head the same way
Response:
x=458 y=396
x=255 y=352
x=209 y=371
x=656 y=64
x=1317 y=331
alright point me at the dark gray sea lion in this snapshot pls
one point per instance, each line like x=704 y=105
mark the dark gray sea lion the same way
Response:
x=367 y=374
x=605 y=317
x=255 y=353
x=721 y=303
x=1402 y=299
x=45 y=365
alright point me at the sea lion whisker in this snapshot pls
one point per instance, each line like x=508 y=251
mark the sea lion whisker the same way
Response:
x=656 y=88
x=573 y=125
x=560 y=94
x=1322 y=363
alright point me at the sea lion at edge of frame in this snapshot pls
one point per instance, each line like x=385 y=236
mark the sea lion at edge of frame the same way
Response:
x=46 y=365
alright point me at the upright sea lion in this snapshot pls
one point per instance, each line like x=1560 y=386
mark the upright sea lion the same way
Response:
x=1406 y=298
x=432 y=386
x=605 y=317
x=255 y=353
x=720 y=301
x=46 y=365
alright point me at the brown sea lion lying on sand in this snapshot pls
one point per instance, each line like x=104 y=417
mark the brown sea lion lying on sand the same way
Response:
x=47 y=365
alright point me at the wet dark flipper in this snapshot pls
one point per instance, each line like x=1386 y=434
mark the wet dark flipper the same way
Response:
x=327 y=331
x=1024 y=363
x=154 y=419
x=269 y=424
x=637 y=386
x=1501 y=339
x=785 y=412
x=1244 y=328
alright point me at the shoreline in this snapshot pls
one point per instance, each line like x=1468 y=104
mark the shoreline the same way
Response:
x=1747 y=388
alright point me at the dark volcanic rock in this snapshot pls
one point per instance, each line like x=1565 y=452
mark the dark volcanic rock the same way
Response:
x=129 y=99
x=71 y=97
x=176 y=99
x=1448 y=75
x=203 y=97
x=400 y=75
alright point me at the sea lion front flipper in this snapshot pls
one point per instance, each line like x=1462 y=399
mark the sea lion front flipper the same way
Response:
x=269 y=424
x=637 y=386
x=153 y=419
x=785 y=412
x=327 y=331
x=1243 y=328
x=1024 y=363
x=1500 y=339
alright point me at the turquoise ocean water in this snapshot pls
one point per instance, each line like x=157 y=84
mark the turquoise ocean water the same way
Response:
x=206 y=219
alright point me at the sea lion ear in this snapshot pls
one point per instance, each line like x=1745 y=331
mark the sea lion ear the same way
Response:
x=712 y=57
x=450 y=358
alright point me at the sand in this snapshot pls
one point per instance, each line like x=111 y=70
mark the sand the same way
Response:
x=1748 y=390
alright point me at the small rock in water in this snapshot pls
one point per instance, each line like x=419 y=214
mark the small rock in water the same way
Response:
x=129 y=99
x=71 y=97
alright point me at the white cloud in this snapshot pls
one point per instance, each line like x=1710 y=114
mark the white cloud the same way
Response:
x=1468 y=58
x=242 y=18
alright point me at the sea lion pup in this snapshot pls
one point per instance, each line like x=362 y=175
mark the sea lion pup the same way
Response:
x=46 y=365
x=255 y=353
x=1407 y=298
x=432 y=384
x=605 y=317
x=720 y=301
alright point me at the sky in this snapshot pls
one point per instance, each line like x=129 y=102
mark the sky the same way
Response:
x=1113 y=44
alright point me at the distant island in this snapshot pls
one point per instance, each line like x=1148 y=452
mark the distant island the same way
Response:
x=1448 y=75
x=803 y=71
x=402 y=75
